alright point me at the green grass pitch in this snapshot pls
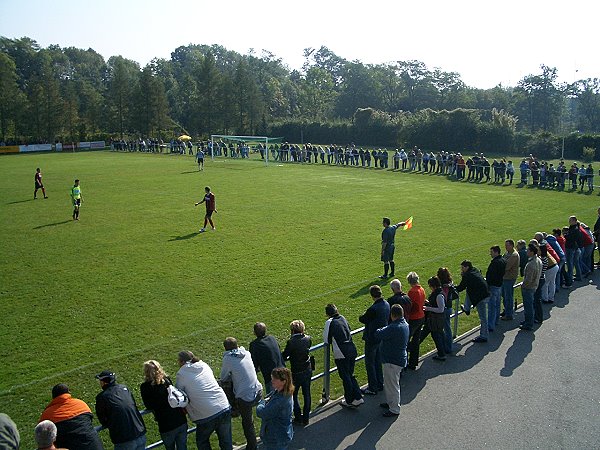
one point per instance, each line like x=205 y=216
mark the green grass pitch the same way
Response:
x=133 y=280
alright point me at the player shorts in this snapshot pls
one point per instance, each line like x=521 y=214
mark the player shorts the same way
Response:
x=209 y=213
x=388 y=254
x=77 y=202
x=39 y=185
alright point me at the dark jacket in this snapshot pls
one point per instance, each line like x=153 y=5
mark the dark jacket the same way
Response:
x=495 y=271
x=473 y=282
x=401 y=299
x=394 y=338
x=296 y=350
x=73 y=419
x=376 y=316
x=523 y=258
x=573 y=238
x=154 y=397
x=337 y=333
x=117 y=411
x=266 y=355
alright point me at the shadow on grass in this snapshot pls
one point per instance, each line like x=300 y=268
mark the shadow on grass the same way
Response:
x=183 y=237
x=191 y=171
x=20 y=201
x=52 y=224
x=365 y=289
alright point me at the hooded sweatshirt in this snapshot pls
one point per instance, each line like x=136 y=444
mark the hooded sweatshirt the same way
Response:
x=239 y=368
x=206 y=398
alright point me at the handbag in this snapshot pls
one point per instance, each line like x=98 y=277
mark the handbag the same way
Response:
x=176 y=397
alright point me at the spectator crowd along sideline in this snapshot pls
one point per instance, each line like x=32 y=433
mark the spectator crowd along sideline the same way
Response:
x=393 y=331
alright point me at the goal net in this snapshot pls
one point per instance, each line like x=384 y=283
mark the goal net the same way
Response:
x=240 y=146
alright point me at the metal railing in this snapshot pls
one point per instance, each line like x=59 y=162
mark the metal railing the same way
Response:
x=328 y=370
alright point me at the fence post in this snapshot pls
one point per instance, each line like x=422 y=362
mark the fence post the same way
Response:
x=326 y=375
x=456 y=309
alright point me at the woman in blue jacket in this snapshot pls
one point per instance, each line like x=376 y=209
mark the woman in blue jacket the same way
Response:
x=276 y=430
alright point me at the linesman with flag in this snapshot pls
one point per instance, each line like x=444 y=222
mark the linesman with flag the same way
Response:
x=387 y=245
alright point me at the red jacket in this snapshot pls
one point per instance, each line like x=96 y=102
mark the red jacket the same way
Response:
x=552 y=253
x=587 y=239
x=417 y=297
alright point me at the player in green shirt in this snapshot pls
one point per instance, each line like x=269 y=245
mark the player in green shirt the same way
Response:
x=76 y=199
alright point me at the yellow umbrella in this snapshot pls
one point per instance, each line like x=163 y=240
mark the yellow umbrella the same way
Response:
x=184 y=137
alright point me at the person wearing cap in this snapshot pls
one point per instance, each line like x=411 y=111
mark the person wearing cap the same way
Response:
x=45 y=435
x=116 y=410
x=208 y=406
x=73 y=420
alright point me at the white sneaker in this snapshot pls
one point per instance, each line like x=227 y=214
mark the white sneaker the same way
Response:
x=214 y=229
x=346 y=404
x=202 y=230
x=358 y=402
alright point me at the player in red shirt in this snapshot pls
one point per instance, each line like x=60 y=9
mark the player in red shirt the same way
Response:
x=38 y=183
x=209 y=199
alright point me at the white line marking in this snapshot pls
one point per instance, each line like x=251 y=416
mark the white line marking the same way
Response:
x=206 y=330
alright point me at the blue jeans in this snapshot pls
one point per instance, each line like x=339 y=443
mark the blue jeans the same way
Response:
x=448 y=339
x=302 y=381
x=561 y=264
x=482 y=310
x=245 y=409
x=222 y=425
x=586 y=259
x=176 y=438
x=136 y=444
x=508 y=297
x=346 y=372
x=572 y=264
x=494 y=309
x=538 y=312
x=527 y=295
x=373 y=364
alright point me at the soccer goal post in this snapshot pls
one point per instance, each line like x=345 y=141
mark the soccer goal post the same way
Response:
x=248 y=140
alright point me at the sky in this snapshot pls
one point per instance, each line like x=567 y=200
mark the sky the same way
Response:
x=486 y=42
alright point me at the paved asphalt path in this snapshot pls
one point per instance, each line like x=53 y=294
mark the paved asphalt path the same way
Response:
x=521 y=390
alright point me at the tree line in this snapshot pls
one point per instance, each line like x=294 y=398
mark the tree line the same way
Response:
x=70 y=94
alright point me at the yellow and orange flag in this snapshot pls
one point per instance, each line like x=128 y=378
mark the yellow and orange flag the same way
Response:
x=408 y=223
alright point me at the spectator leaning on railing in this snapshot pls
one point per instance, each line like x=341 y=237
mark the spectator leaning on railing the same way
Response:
x=376 y=316
x=297 y=350
x=238 y=368
x=9 y=434
x=394 y=338
x=208 y=406
x=172 y=422
x=73 y=420
x=337 y=334
x=478 y=295
x=116 y=410
x=266 y=354
x=416 y=318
